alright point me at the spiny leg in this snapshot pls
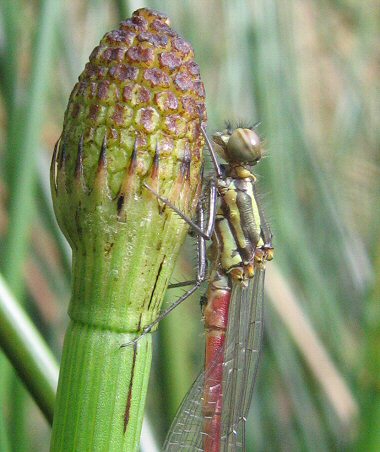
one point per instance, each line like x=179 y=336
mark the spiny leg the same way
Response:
x=211 y=207
x=182 y=284
x=201 y=276
x=212 y=196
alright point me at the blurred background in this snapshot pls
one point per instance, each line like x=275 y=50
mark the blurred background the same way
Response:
x=308 y=71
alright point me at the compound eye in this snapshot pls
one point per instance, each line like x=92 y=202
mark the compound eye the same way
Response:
x=244 y=145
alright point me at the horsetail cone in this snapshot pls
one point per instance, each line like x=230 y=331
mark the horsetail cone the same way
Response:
x=133 y=119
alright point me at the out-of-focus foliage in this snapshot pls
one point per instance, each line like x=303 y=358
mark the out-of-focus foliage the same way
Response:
x=307 y=71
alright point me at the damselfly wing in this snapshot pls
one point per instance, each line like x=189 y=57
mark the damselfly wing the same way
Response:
x=240 y=363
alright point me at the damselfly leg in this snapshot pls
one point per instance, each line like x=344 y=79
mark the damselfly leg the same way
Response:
x=201 y=276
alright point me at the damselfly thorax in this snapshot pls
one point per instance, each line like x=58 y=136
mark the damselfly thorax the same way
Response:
x=238 y=232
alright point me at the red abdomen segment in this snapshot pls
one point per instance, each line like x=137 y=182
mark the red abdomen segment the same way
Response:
x=216 y=321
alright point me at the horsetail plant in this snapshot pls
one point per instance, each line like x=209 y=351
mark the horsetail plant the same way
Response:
x=133 y=118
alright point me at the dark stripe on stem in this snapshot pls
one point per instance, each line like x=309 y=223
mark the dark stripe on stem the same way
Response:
x=129 y=398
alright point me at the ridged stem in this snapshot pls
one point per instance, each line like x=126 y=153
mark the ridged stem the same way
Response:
x=100 y=402
x=27 y=352
x=118 y=284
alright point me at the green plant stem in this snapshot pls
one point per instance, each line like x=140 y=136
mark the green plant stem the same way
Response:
x=9 y=82
x=21 y=156
x=109 y=385
x=113 y=292
x=27 y=352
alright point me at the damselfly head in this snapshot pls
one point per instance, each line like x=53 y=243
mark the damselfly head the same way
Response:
x=239 y=145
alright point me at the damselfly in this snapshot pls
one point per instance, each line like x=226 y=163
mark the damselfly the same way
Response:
x=213 y=414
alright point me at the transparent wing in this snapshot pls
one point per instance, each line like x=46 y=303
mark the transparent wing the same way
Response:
x=186 y=429
x=241 y=366
x=241 y=356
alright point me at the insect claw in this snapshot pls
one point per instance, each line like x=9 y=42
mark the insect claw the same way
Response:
x=134 y=342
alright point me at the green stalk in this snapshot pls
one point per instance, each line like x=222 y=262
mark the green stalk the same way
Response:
x=27 y=352
x=22 y=144
x=120 y=135
x=9 y=76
